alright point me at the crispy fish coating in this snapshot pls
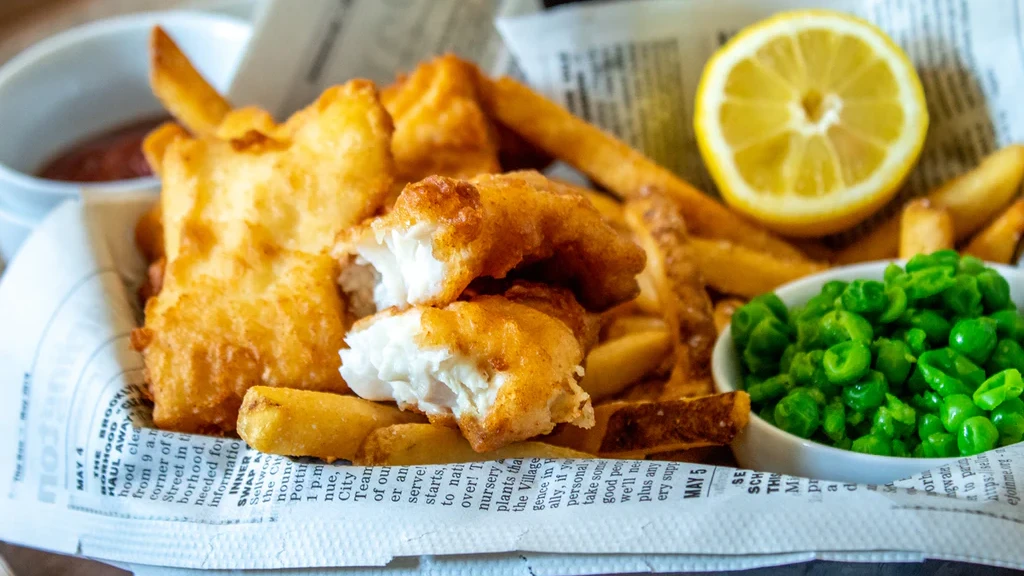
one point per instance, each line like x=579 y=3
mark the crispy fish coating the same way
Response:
x=249 y=294
x=272 y=321
x=440 y=127
x=444 y=233
x=304 y=181
x=501 y=370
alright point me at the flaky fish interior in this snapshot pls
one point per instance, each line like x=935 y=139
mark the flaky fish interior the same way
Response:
x=444 y=233
x=501 y=370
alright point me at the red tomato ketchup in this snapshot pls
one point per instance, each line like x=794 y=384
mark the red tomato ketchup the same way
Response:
x=112 y=155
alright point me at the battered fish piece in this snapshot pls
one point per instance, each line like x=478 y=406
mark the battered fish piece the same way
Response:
x=273 y=321
x=440 y=126
x=443 y=233
x=501 y=370
x=249 y=294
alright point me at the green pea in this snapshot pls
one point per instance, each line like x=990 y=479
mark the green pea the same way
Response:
x=847 y=361
x=896 y=305
x=797 y=414
x=774 y=387
x=929 y=282
x=834 y=421
x=918 y=451
x=977 y=434
x=867 y=394
x=1009 y=324
x=998 y=388
x=787 y=357
x=873 y=444
x=817 y=395
x=946 y=257
x=833 y=288
x=864 y=297
x=901 y=412
x=970 y=265
x=773 y=303
x=964 y=297
x=920 y=262
x=927 y=401
x=769 y=337
x=808 y=334
x=975 y=338
x=839 y=325
x=939 y=446
x=751 y=380
x=947 y=372
x=893 y=273
x=1008 y=419
x=929 y=424
x=899 y=449
x=894 y=360
x=768 y=414
x=935 y=327
x=955 y=409
x=917 y=341
x=995 y=290
x=854 y=418
x=759 y=364
x=745 y=320
x=883 y=424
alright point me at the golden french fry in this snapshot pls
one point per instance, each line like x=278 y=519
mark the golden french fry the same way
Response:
x=613 y=164
x=293 y=422
x=647 y=300
x=972 y=199
x=625 y=325
x=685 y=304
x=637 y=429
x=646 y=391
x=611 y=367
x=741 y=271
x=999 y=240
x=924 y=228
x=423 y=444
x=724 y=310
x=182 y=89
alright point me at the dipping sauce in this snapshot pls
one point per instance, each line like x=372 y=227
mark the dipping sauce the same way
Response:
x=113 y=155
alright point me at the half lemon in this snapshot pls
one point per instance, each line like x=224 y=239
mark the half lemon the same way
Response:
x=809 y=121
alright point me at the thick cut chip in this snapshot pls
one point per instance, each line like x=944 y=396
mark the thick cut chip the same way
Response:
x=503 y=371
x=998 y=242
x=319 y=424
x=924 y=228
x=424 y=444
x=742 y=271
x=972 y=199
x=679 y=284
x=440 y=128
x=181 y=89
x=637 y=429
x=443 y=234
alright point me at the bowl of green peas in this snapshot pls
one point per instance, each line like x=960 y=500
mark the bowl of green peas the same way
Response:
x=875 y=372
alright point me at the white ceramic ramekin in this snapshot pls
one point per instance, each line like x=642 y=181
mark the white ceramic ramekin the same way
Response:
x=88 y=80
x=761 y=446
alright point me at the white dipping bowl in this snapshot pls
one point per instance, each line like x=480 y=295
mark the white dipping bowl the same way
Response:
x=88 y=80
x=762 y=446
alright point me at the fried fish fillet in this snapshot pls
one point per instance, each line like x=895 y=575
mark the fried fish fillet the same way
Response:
x=502 y=368
x=272 y=321
x=440 y=126
x=444 y=233
x=249 y=294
